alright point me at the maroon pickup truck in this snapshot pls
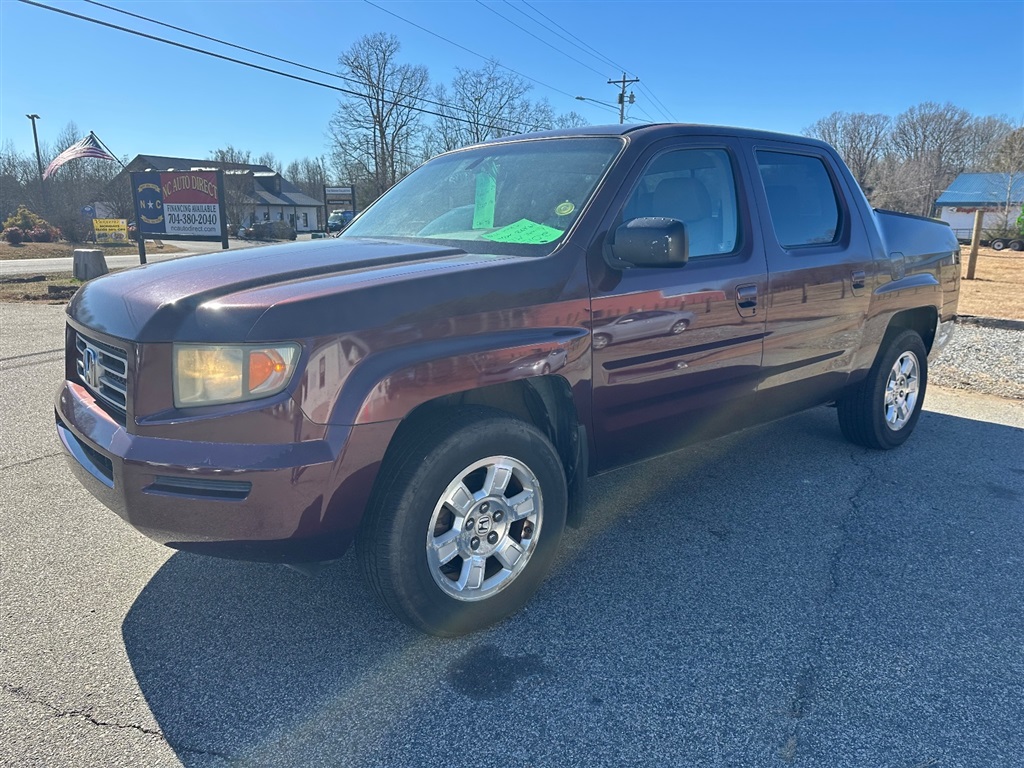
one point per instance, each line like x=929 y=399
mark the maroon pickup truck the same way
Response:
x=437 y=384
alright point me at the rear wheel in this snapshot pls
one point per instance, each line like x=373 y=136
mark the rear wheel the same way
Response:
x=1017 y=245
x=998 y=244
x=883 y=410
x=466 y=522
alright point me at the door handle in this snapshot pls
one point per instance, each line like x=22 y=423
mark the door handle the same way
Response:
x=859 y=279
x=746 y=299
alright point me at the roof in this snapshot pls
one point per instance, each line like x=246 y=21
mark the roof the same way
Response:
x=976 y=189
x=163 y=163
x=289 y=194
x=655 y=131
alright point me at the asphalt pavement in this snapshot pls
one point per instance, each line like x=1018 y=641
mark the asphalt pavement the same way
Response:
x=776 y=597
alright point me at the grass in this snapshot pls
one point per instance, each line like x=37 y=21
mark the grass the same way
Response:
x=997 y=289
x=39 y=287
x=64 y=250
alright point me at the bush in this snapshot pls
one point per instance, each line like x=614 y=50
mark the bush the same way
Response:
x=25 y=220
x=13 y=235
x=44 y=234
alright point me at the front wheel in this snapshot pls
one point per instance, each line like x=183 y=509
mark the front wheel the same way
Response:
x=881 y=411
x=680 y=326
x=466 y=520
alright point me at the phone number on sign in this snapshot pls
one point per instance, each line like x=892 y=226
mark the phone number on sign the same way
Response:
x=193 y=219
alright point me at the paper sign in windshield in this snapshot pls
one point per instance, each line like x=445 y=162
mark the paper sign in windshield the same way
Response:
x=526 y=232
x=483 y=205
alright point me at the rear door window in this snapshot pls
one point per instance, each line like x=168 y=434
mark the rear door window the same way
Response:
x=801 y=198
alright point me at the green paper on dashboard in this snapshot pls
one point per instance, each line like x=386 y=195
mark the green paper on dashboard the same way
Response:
x=526 y=232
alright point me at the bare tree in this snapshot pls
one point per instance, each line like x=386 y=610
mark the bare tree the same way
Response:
x=571 y=119
x=859 y=138
x=486 y=103
x=309 y=175
x=239 y=185
x=230 y=154
x=489 y=103
x=1008 y=159
x=268 y=159
x=374 y=135
x=983 y=140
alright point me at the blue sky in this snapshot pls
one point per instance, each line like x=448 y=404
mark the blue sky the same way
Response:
x=772 y=65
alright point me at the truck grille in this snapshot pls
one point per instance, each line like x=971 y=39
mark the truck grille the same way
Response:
x=104 y=371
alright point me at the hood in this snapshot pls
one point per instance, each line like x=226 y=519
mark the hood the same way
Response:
x=220 y=296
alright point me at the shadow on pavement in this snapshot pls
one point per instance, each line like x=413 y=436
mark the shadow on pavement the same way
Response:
x=770 y=597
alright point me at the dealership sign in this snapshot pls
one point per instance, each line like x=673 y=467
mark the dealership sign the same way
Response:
x=185 y=204
x=179 y=205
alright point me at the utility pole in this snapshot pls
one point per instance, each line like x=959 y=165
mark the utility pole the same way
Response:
x=622 y=95
x=39 y=162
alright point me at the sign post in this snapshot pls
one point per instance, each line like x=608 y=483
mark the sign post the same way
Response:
x=340 y=198
x=179 y=205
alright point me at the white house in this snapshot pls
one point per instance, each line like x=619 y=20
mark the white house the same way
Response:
x=999 y=195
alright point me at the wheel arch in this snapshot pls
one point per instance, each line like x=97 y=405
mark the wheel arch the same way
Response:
x=546 y=402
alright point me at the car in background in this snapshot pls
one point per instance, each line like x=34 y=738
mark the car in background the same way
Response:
x=338 y=220
x=640 y=325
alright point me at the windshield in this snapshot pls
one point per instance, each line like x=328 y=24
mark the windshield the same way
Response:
x=507 y=198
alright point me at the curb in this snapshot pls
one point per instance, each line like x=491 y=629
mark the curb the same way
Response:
x=991 y=322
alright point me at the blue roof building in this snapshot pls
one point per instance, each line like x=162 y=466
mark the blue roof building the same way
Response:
x=983 y=190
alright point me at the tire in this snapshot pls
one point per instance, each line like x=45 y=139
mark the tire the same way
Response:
x=422 y=543
x=681 y=326
x=998 y=244
x=881 y=411
x=601 y=340
x=1017 y=245
x=545 y=370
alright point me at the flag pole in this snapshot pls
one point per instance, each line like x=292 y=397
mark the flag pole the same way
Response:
x=107 y=148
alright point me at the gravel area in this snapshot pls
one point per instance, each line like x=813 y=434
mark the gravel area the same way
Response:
x=989 y=360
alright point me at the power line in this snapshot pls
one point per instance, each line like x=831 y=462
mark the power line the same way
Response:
x=251 y=65
x=464 y=48
x=657 y=102
x=394 y=94
x=593 y=52
x=535 y=37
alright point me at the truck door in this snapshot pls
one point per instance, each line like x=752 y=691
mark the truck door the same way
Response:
x=820 y=271
x=677 y=351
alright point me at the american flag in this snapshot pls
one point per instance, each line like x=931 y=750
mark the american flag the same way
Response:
x=87 y=147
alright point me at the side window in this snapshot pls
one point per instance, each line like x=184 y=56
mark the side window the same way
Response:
x=697 y=187
x=801 y=198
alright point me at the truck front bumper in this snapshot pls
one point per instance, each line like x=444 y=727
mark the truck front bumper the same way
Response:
x=298 y=502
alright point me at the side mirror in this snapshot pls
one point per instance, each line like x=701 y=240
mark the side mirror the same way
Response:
x=650 y=242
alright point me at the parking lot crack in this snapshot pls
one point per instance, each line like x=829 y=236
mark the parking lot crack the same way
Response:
x=806 y=681
x=25 y=462
x=86 y=715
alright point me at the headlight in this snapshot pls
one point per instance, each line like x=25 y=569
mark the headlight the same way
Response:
x=205 y=374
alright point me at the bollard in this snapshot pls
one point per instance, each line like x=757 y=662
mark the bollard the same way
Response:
x=89 y=263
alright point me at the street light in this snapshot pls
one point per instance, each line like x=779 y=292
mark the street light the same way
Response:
x=39 y=160
x=603 y=104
